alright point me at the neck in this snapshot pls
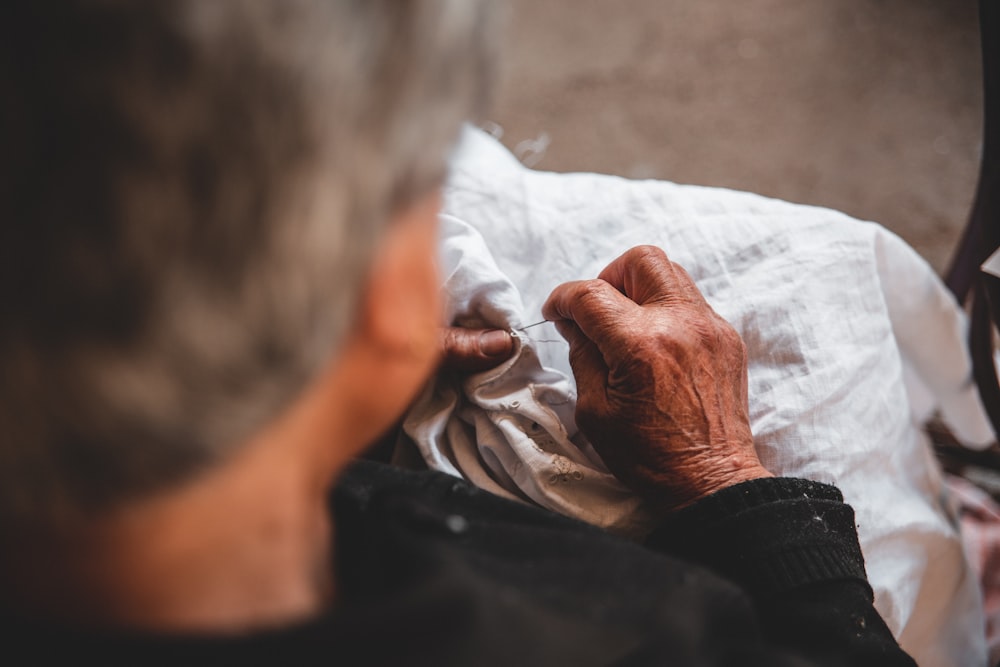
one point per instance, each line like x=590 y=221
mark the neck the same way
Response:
x=246 y=545
x=229 y=552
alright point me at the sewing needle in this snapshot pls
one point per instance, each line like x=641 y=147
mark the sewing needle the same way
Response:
x=533 y=325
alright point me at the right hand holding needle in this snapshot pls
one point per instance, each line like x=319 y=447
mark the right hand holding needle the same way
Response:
x=661 y=379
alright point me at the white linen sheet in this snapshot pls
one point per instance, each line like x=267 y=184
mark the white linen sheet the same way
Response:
x=853 y=342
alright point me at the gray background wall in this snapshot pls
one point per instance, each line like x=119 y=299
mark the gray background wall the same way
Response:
x=872 y=107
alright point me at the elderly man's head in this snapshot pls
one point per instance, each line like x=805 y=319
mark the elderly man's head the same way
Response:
x=192 y=197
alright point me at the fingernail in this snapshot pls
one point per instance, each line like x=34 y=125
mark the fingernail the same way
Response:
x=494 y=343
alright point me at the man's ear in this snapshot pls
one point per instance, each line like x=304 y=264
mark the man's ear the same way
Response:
x=400 y=310
x=395 y=343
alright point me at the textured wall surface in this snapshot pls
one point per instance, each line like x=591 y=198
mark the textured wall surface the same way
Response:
x=872 y=107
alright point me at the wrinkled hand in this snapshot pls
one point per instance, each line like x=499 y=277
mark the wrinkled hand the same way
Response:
x=472 y=350
x=661 y=378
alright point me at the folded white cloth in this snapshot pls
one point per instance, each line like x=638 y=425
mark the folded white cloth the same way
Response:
x=852 y=343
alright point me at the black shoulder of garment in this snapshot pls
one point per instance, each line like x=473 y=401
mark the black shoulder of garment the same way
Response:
x=766 y=572
x=432 y=571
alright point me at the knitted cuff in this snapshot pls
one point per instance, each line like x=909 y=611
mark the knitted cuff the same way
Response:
x=769 y=535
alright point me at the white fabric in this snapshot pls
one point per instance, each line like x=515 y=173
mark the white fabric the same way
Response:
x=992 y=264
x=852 y=343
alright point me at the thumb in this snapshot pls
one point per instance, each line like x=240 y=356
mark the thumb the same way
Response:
x=586 y=360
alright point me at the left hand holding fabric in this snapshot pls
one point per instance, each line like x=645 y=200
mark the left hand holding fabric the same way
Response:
x=473 y=350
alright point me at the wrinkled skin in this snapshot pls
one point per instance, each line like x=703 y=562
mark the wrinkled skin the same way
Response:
x=473 y=350
x=661 y=378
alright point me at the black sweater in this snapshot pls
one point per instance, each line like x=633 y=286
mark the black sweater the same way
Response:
x=431 y=571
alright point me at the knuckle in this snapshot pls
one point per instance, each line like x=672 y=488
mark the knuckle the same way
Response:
x=459 y=345
x=684 y=276
x=729 y=339
x=649 y=261
x=701 y=328
x=690 y=337
x=648 y=253
x=733 y=337
x=448 y=342
x=740 y=347
x=592 y=294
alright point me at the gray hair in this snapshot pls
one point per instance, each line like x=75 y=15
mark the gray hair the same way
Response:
x=190 y=197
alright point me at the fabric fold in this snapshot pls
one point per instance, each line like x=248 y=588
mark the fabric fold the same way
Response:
x=851 y=338
x=511 y=429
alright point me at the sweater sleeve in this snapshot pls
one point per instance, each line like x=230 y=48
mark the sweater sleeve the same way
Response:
x=793 y=546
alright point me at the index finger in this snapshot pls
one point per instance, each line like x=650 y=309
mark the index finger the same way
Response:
x=645 y=275
x=473 y=350
x=599 y=310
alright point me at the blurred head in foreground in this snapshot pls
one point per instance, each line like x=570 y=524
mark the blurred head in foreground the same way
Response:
x=218 y=226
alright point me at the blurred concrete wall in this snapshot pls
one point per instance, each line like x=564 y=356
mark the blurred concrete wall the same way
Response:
x=872 y=107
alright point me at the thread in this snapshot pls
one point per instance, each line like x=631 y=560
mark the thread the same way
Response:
x=493 y=129
x=519 y=332
x=531 y=151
